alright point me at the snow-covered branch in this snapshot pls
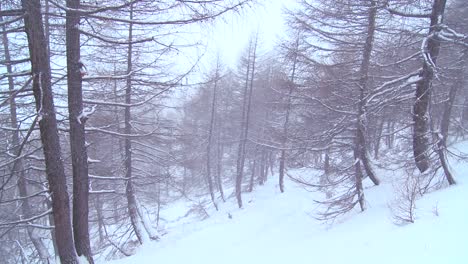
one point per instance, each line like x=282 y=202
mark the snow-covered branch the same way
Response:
x=30 y=219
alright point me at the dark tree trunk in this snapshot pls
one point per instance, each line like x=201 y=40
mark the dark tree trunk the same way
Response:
x=18 y=167
x=42 y=89
x=361 y=142
x=423 y=90
x=79 y=155
x=129 y=189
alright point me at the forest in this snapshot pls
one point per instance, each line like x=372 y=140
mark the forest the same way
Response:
x=94 y=143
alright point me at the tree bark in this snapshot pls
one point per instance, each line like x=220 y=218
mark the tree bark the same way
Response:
x=253 y=169
x=219 y=163
x=100 y=219
x=42 y=89
x=423 y=89
x=210 y=137
x=18 y=167
x=378 y=138
x=79 y=155
x=361 y=124
x=282 y=165
x=445 y=122
x=358 y=184
x=326 y=162
x=248 y=88
x=132 y=203
x=262 y=167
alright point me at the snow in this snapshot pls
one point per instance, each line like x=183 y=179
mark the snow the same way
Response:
x=81 y=260
x=276 y=227
x=84 y=115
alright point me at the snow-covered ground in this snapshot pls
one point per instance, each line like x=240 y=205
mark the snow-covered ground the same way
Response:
x=276 y=227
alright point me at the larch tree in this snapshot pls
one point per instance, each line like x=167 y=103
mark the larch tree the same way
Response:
x=344 y=32
x=42 y=89
x=210 y=144
x=18 y=167
x=293 y=56
x=245 y=118
x=77 y=119
x=430 y=52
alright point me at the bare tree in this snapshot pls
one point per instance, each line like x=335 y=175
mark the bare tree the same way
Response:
x=349 y=33
x=431 y=48
x=42 y=89
x=282 y=165
x=404 y=206
x=77 y=119
x=210 y=136
x=18 y=166
x=244 y=129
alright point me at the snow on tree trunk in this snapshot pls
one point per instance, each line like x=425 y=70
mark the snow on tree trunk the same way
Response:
x=79 y=155
x=42 y=89
x=42 y=251
x=430 y=50
x=361 y=121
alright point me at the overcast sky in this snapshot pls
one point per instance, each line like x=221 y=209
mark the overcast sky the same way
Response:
x=229 y=36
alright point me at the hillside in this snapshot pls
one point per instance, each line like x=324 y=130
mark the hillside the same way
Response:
x=281 y=228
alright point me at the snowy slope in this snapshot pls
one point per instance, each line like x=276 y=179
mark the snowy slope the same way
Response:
x=280 y=228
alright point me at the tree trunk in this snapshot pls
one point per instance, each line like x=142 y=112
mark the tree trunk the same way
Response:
x=361 y=143
x=445 y=122
x=390 y=137
x=326 y=163
x=253 y=170
x=219 y=163
x=158 y=197
x=42 y=89
x=129 y=189
x=79 y=155
x=241 y=148
x=378 y=138
x=18 y=167
x=262 y=167
x=358 y=183
x=210 y=137
x=282 y=165
x=100 y=219
x=424 y=91
x=248 y=88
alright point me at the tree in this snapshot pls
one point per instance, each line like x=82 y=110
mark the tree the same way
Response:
x=431 y=48
x=339 y=38
x=282 y=166
x=77 y=119
x=18 y=167
x=42 y=89
x=246 y=105
x=210 y=136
